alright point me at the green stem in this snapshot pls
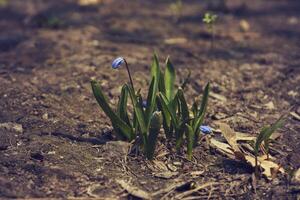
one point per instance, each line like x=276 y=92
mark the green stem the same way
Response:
x=129 y=74
x=212 y=37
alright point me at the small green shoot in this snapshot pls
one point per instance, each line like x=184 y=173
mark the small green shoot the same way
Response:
x=264 y=136
x=176 y=9
x=210 y=20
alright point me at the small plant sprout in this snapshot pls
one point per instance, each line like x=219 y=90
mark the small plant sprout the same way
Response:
x=210 y=20
x=264 y=137
x=176 y=9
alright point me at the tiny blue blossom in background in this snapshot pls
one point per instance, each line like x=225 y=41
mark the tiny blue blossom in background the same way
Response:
x=205 y=129
x=117 y=62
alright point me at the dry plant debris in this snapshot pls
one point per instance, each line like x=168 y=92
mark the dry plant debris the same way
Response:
x=233 y=150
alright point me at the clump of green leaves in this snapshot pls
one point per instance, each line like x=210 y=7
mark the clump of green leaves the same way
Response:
x=178 y=119
x=166 y=105
x=146 y=122
x=264 y=137
x=210 y=19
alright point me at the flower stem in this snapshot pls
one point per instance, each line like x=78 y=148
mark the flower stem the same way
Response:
x=129 y=74
x=212 y=37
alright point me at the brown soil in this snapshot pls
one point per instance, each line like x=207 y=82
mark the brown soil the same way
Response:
x=49 y=51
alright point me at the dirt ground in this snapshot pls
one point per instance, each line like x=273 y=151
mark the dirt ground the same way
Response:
x=56 y=142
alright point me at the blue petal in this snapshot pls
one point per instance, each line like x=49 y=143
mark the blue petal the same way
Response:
x=205 y=129
x=117 y=62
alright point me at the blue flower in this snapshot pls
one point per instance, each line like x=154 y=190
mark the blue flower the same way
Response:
x=117 y=62
x=205 y=129
x=144 y=104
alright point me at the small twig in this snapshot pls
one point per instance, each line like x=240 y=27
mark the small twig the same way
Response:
x=184 y=194
x=169 y=189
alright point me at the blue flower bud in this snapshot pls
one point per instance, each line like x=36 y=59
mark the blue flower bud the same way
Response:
x=205 y=129
x=117 y=62
x=144 y=104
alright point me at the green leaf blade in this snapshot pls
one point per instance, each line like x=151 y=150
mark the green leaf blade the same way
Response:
x=183 y=106
x=122 y=105
x=154 y=129
x=151 y=100
x=138 y=111
x=117 y=122
x=204 y=101
x=169 y=78
x=190 y=135
x=165 y=105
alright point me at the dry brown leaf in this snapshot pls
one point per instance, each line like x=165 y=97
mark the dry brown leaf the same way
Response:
x=268 y=166
x=232 y=150
x=222 y=147
x=231 y=138
x=244 y=137
x=135 y=191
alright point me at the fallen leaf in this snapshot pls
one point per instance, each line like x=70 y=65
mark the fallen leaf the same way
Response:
x=268 y=166
x=244 y=137
x=231 y=138
x=222 y=147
